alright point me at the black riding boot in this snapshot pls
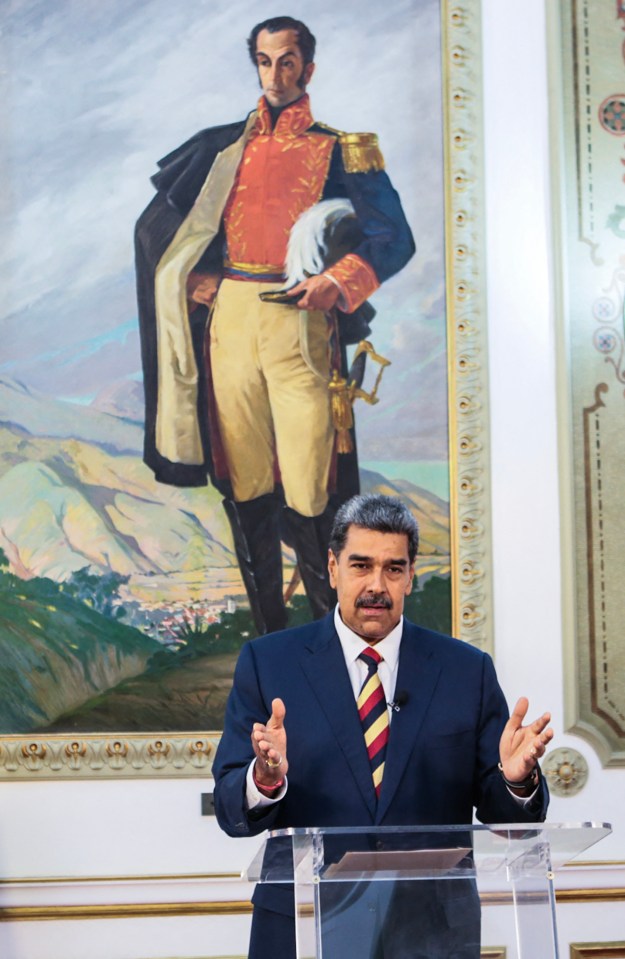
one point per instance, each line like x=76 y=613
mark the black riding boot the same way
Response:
x=256 y=532
x=309 y=537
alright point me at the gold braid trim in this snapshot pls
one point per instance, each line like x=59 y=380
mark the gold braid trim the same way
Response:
x=333 y=130
x=361 y=152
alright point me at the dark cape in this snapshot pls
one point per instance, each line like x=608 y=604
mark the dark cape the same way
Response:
x=178 y=182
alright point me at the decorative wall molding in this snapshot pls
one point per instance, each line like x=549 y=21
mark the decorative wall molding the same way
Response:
x=586 y=55
x=607 y=894
x=597 y=950
x=240 y=907
x=100 y=880
x=126 y=910
x=566 y=771
x=116 y=757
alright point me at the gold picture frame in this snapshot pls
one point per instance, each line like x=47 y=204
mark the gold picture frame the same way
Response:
x=126 y=754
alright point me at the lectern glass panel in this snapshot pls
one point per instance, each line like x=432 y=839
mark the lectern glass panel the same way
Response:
x=417 y=893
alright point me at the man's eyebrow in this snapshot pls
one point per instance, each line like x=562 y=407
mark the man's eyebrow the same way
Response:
x=357 y=558
x=288 y=53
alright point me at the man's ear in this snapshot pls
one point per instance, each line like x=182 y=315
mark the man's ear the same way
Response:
x=309 y=69
x=332 y=564
x=410 y=581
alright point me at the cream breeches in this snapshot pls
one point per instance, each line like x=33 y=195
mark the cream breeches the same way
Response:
x=269 y=400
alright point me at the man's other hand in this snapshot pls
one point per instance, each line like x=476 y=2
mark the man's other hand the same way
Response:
x=319 y=293
x=269 y=743
x=521 y=746
x=201 y=288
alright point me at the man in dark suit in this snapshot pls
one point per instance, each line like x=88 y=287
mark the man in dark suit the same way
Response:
x=451 y=746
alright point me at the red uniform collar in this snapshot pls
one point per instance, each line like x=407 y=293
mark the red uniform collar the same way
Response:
x=294 y=119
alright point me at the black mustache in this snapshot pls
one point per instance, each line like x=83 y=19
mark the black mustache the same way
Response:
x=374 y=599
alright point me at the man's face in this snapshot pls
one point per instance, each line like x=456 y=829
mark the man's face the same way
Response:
x=281 y=69
x=372 y=576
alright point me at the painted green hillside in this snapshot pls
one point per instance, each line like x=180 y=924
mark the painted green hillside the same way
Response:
x=188 y=689
x=57 y=652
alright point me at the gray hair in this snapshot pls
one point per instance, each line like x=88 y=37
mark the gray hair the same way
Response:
x=383 y=514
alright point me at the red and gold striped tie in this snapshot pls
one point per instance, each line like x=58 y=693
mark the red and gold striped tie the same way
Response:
x=373 y=714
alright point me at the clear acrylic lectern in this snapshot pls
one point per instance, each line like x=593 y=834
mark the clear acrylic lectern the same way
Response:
x=416 y=892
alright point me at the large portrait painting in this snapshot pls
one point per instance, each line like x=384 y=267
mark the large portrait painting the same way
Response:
x=142 y=543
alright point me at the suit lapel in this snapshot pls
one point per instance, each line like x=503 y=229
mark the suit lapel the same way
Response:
x=418 y=672
x=324 y=667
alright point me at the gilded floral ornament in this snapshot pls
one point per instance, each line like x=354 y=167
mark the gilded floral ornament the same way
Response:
x=566 y=771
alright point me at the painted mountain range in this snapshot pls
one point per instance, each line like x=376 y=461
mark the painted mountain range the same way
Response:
x=74 y=493
x=76 y=500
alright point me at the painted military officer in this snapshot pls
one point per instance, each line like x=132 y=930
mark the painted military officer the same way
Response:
x=236 y=385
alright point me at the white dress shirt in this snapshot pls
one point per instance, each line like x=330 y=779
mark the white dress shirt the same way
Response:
x=352 y=645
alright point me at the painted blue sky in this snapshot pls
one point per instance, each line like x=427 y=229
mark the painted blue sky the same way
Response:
x=93 y=93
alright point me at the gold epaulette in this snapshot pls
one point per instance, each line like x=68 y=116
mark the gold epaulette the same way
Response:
x=361 y=152
x=324 y=126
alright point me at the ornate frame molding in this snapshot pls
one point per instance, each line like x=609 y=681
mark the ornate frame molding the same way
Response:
x=466 y=325
x=122 y=756
x=169 y=755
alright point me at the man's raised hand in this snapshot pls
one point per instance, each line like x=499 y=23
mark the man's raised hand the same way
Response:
x=520 y=747
x=269 y=744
